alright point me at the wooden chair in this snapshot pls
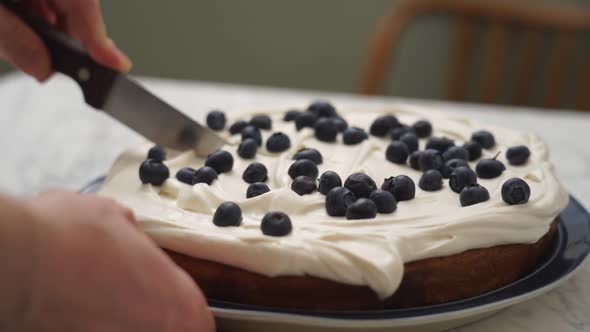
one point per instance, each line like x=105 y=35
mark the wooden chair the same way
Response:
x=533 y=18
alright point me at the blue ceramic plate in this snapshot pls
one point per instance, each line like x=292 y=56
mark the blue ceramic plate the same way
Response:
x=571 y=247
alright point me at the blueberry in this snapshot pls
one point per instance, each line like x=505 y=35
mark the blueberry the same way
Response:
x=456 y=152
x=237 y=127
x=397 y=152
x=309 y=154
x=185 y=175
x=484 y=138
x=340 y=123
x=383 y=124
x=256 y=189
x=354 y=135
x=473 y=194
x=228 y=214
x=518 y=155
x=305 y=119
x=422 y=128
x=431 y=180
x=329 y=180
x=441 y=144
x=363 y=208
x=489 y=168
x=153 y=172
x=338 y=200
x=411 y=141
x=451 y=165
x=430 y=159
x=303 y=185
x=157 y=153
x=384 y=201
x=462 y=177
x=261 y=121
x=255 y=172
x=414 y=158
x=322 y=109
x=221 y=161
x=303 y=167
x=515 y=191
x=204 y=174
x=401 y=187
x=216 y=120
x=278 y=142
x=325 y=130
x=291 y=115
x=247 y=148
x=276 y=224
x=398 y=132
x=252 y=132
x=474 y=150
x=360 y=184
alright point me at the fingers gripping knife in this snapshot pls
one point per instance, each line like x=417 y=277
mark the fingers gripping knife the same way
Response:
x=118 y=95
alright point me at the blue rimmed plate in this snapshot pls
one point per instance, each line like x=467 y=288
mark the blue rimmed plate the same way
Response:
x=571 y=247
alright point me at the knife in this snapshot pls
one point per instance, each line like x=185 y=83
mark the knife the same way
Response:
x=118 y=95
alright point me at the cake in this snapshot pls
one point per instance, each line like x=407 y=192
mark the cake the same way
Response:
x=347 y=210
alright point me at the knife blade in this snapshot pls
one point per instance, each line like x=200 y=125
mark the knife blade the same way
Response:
x=118 y=95
x=156 y=120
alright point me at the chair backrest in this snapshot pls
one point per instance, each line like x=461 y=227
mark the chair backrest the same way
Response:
x=531 y=17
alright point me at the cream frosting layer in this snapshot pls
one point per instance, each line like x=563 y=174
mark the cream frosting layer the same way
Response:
x=368 y=252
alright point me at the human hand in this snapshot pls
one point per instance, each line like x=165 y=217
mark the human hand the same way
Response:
x=96 y=271
x=80 y=19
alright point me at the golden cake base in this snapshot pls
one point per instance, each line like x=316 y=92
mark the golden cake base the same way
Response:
x=425 y=282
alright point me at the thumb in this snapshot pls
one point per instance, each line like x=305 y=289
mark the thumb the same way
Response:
x=21 y=47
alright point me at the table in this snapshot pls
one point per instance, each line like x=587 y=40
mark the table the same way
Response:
x=51 y=139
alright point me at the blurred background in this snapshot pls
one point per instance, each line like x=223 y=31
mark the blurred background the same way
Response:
x=327 y=45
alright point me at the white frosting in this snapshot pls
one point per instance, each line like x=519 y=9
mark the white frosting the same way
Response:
x=357 y=252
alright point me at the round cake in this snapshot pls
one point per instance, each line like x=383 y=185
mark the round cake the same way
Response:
x=322 y=209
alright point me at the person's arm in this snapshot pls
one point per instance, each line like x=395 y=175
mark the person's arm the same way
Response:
x=81 y=19
x=18 y=238
x=73 y=262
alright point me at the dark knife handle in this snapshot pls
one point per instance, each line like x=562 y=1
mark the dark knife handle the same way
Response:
x=69 y=57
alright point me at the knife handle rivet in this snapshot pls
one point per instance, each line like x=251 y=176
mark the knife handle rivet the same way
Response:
x=83 y=74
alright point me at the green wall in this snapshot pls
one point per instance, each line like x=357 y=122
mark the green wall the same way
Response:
x=306 y=44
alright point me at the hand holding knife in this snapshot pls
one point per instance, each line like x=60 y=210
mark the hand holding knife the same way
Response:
x=118 y=95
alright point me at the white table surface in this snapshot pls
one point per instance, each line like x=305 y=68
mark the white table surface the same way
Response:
x=50 y=139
